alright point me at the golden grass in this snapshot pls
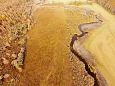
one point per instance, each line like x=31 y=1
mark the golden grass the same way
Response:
x=101 y=43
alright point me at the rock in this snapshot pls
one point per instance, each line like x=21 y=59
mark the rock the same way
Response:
x=8 y=54
x=20 y=69
x=22 y=50
x=11 y=80
x=20 y=57
x=5 y=61
x=6 y=76
x=22 y=41
x=16 y=65
x=19 y=61
x=14 y=56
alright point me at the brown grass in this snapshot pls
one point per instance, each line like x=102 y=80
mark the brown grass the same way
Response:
x=48 y=56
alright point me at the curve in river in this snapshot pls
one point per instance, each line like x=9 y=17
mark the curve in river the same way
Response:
x=101 y=43
x=85 y=56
